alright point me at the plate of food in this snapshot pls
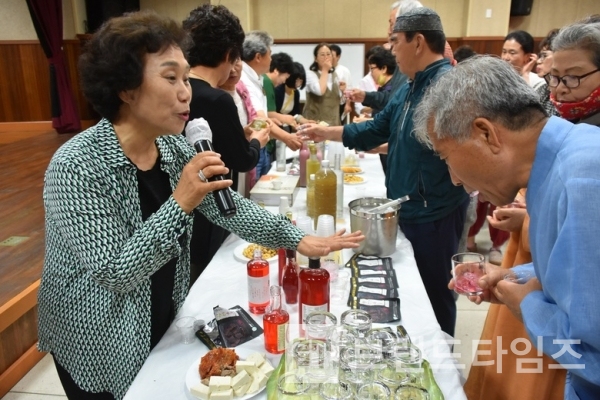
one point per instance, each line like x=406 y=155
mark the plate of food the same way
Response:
x=245 y=251
x=223 y=373
x=352 y=179
x=351 y=169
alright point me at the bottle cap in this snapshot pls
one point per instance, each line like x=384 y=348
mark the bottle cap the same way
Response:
x=325 y=163
x=290 y=253
x=314 y=263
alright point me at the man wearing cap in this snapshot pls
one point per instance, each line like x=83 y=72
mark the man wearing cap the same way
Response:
x=433 y=218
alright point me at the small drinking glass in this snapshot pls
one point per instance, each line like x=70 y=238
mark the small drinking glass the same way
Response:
x=408 y=360
x=185 y=326
x=291 y=385
x=339 y=338
x=467 y=268
x=336 y=391
x=383 y=338
x=373 y=391
x=357 y=364
x=358 y=321
x=318 y=324
x=411 y=392
x=520 y=277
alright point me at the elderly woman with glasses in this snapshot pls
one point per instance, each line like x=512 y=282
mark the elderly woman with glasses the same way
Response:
x=574 y=78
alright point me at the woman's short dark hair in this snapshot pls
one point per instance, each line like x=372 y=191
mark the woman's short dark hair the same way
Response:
x=436 y=40
x=384 y=59
x=217 y=34
x=315 y=66
x=546 y=43
x=373 y=50
x=281 y=62
x=113 y=59
x=463 y=52
x=297 y=73
x=523 y=38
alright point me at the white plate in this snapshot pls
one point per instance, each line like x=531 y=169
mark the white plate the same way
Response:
x=192 y=377
x=238 y=254
x=364 y=180
x=353 y=173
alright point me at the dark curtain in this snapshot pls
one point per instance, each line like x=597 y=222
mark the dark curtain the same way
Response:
x=47 y=20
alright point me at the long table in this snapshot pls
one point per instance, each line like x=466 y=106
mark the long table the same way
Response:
x=224 y=283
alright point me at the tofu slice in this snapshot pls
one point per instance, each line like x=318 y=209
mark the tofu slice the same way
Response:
x=248 y=366
x=200 y=391
x=241 y=379
x=253 y=388
x=243 y=389
x=222 y=395
x=219 y=384
x=257 y=358
x=260 y=378
x=266 y=368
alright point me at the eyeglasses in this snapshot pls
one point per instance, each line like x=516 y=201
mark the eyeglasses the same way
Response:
x=570 y=81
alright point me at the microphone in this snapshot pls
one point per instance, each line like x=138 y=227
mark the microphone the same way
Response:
x=199 y=135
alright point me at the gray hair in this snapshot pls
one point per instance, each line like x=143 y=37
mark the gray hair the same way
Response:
x=405 y=6
x=481 y=86
x=395 y=5
x=580 y=36
x=256 y=42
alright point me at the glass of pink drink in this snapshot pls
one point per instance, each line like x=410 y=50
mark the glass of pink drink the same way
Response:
x=467 y=268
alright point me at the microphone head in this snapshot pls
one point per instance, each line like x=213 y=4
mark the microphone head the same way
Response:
x=196 y=130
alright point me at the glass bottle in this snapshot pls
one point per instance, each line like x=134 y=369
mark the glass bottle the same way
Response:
x=339 y=176
x=304 y=153
x=325 y=192
x=290 y=278
x=258 y=283
x=280 y=148
x=312 y=164
x=310 y=197
x=275 y=323
x=281 y=260
x=314 y=289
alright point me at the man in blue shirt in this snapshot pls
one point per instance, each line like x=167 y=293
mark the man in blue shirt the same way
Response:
x=490 y=128
x=433 y=219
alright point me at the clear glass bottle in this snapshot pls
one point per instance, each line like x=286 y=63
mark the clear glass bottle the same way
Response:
x=290 y=278
x=275 y=323
x=280 y=162
x=325 y=191
x=314 y=290
x=258 y=283
x=339 y=176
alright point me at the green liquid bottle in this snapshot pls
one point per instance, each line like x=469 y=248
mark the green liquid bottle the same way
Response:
x=325 y=192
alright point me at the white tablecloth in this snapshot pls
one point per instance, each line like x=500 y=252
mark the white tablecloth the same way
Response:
x=224 y=283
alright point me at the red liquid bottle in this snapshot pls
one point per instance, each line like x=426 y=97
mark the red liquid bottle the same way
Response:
x=275 y=323
x=290 y=278
x=258 y=283
x=314 y=289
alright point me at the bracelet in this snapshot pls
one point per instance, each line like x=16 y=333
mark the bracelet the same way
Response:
x=297 y=117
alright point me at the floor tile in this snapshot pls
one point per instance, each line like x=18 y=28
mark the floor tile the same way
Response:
x=42 y=379
x=469 y=325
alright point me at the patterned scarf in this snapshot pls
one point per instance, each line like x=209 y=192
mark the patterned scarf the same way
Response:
x=576 y=110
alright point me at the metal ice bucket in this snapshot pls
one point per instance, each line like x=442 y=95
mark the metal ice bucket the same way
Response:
x=380 y=229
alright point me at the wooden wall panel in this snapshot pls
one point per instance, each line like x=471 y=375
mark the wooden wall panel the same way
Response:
x=18 y=338
x=25 y=81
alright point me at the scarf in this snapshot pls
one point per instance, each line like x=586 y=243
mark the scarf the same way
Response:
x=576 y=110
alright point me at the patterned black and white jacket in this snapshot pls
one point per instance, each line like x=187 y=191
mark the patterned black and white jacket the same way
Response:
x=94 y=297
